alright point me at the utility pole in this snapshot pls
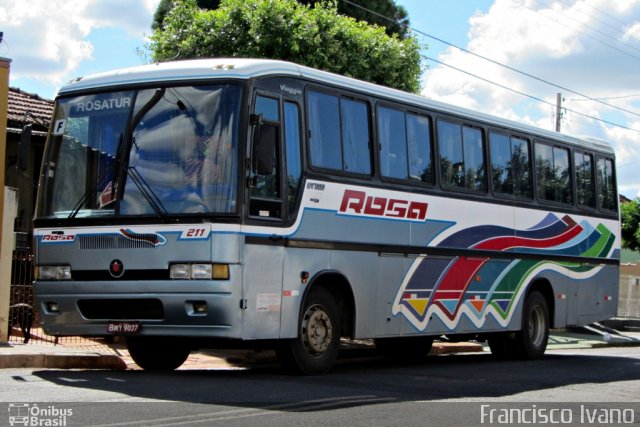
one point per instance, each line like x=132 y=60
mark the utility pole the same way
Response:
x=558 y=111
x=5 y=249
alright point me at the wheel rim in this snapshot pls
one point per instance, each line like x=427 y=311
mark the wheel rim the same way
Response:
x=537 y=326
x=317 y=330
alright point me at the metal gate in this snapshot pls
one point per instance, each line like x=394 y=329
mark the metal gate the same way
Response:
x=22 y=316
x=629 y=302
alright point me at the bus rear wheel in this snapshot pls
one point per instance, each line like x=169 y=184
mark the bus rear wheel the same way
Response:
x=158 y=353
x=530 y=342
x=315 y=349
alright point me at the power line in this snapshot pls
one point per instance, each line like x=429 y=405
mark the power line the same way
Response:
x=626 y=24
x=531 y=96
x=616 y=29
x=509 y=68
x=637 y=95
x=531 y=76
x=586 y=25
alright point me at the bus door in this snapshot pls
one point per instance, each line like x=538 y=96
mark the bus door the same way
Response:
x=266 y=217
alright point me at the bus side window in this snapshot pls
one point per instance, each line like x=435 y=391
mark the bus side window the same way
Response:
x=324 y=127
x=510 y=165
x=461 y=156
x=585 y=179
x=393 y=143
x=419 y=147
x=521 y=166
x=606 y=185
x=356 y=142
x=501 y=171
x=292 y=149
x=265 y=191
x=553 y=174
x=339 y=135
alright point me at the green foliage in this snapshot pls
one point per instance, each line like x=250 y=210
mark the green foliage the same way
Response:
x=382 y=9
x=283 y=29
x=387 y=8
x=630 y=217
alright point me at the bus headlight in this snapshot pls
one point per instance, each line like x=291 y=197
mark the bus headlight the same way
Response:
x=199 y=271
x=53 y=272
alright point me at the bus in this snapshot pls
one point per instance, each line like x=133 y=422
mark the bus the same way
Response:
x=259 y=203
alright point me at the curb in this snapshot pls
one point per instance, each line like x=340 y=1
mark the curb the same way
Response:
x=62 y=361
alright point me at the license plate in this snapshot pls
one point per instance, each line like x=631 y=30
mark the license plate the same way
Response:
x=123 y=328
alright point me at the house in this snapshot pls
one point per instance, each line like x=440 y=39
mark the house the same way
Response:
x=26 y=113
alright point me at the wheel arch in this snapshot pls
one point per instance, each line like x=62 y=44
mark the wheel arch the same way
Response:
x=340 y=289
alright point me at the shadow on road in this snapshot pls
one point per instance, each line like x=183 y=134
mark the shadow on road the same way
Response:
x=358 y=381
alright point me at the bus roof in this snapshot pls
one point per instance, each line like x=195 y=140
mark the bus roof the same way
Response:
x=244 y=68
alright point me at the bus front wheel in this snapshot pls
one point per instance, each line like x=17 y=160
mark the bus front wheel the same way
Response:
x=315 y=349
x=157 y=353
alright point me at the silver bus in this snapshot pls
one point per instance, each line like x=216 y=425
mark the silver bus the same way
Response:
x=242 y=202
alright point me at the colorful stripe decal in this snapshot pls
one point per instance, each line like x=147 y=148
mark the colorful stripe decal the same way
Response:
x=477 y=287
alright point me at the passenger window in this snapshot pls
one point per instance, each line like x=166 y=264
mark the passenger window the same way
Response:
x=553 y=177
x=393 y=143
x=419 y=147
x=606 y=185
x=584 y=179
x=339 y=133
x=501 y=171
x=521 y=165
x=510 y=165
x=461 y=156
x=324 y=127
x=356 y=151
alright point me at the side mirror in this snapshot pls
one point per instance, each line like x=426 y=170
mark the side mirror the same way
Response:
x=24 y=148
x=264 y=148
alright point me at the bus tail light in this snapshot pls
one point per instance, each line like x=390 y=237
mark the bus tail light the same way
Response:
x=199 y=271
x=53 y=272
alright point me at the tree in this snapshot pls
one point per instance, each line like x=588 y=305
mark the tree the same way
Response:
x=284 y=29
x=166 y=5
x=630 y=217
x=382 y=9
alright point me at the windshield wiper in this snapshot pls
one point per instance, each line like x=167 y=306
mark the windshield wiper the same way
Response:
x=150 y=196
x=125 y=170
x=100 y=184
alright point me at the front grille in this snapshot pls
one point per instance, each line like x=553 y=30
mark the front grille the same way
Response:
x=121 y=309
x=118 y=241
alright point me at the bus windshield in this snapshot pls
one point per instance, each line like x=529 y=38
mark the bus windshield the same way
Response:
x=157 y=151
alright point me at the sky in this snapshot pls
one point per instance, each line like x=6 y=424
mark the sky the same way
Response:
x=587 y=50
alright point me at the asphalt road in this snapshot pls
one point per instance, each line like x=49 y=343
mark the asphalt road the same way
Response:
x=580 y=386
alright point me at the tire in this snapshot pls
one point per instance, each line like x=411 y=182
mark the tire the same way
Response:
x=315 y=349
x=531 y=342
x=405 y=349
x=532 y=339
x=158 y=353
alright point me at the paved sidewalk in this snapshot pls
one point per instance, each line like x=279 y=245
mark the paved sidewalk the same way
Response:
x=89 y=354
